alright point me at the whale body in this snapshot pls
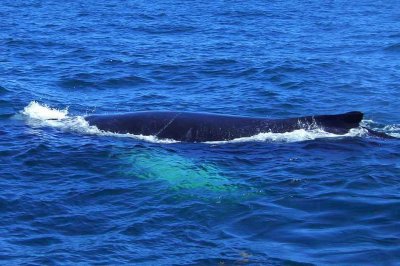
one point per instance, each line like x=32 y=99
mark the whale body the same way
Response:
x=203 y=127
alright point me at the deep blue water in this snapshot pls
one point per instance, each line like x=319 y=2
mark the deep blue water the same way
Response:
x=72 y=195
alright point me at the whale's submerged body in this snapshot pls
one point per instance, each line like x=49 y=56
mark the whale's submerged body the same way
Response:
x=202 y=127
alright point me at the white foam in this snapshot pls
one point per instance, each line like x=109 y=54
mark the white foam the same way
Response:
x=41 y=115
x=294 y=136
x=43 y=112
x=391 y=130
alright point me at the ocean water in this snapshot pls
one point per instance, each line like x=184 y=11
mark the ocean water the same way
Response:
x=71 y=194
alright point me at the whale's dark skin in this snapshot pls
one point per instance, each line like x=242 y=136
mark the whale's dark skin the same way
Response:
x=202 y=127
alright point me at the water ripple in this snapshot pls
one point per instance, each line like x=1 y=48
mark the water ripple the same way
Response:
x=70 y=194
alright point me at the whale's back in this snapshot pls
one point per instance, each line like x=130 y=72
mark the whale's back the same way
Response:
x=200 y=127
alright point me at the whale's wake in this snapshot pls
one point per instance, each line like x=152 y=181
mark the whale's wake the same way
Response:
x=41 y=115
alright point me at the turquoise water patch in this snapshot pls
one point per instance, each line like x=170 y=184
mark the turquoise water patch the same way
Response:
x=179 y=172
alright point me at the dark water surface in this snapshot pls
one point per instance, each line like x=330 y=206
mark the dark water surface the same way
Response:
x=70 y=194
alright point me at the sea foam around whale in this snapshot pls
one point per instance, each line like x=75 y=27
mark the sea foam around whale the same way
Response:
x=42 y=115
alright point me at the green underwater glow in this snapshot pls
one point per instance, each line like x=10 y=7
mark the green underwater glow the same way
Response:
x=178 y=171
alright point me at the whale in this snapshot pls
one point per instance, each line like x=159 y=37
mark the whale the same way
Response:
x=207 y=127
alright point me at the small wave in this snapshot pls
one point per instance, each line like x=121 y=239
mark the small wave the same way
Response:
x=222 y=61
x=41 y=115
x=76 y=83
x=125 y=81
x=84 y=80
x=245 y=14
x=3 y=90
x=166 y=29
x=393 y=48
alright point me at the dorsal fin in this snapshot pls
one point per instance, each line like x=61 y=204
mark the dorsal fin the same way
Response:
x=354 y=117
x=340 y=123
